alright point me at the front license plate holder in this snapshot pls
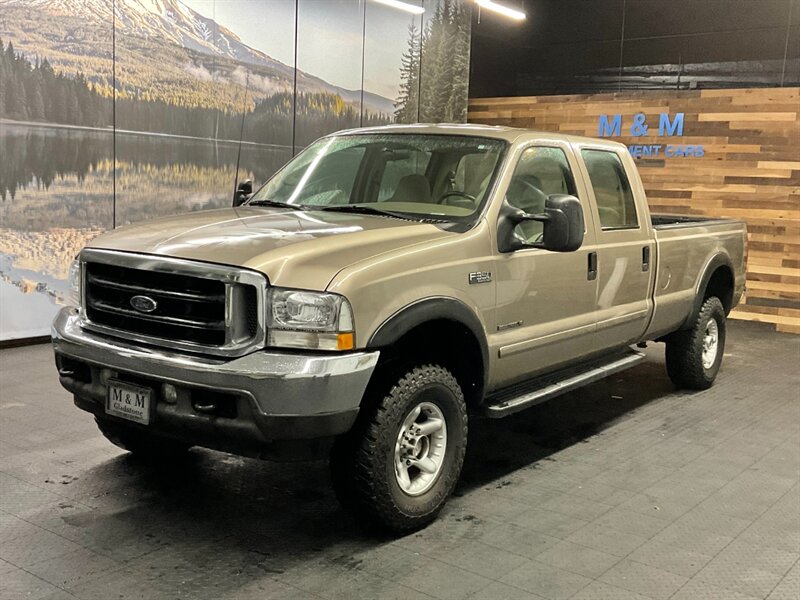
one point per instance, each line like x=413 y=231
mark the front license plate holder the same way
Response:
x=128 y=401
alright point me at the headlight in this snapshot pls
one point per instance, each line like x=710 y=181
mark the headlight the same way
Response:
x=73 y=296
x=312 y=320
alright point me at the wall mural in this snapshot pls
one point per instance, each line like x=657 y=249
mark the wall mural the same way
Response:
x=115 y=111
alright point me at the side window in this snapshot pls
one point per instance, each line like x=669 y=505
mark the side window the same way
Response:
x=612 y=191
x=540 y=172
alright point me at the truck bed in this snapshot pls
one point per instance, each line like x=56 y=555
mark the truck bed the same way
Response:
x=685 y=245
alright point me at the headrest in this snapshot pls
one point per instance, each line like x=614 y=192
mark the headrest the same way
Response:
x=412 y=188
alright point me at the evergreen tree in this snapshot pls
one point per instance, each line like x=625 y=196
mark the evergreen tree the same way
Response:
x=59 y=105
x=461 y=57
x=4 y=77
x=442 y=79
x=407 y=105
x=36 y=103
x=15 y=105
x=442 y=92
x=72 y=110
x=36 y=91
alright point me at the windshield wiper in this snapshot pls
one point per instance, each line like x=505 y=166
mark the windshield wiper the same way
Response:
x=365 y=210
x=274 y=203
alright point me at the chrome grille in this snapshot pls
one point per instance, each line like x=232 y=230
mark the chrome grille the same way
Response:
x=186 y=308
x=170 y=302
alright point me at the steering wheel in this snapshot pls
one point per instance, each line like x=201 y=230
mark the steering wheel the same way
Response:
x=463 y=198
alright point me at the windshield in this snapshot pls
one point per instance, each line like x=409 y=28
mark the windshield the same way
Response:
x=438 y=177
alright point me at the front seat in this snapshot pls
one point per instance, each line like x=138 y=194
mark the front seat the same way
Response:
x=412 y=188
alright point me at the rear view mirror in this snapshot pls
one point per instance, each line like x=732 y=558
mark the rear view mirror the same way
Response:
x=242 y=192
x=562 y=222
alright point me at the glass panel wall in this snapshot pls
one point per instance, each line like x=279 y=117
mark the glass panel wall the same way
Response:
x=391 y=62
x=444 y=62
x=170 y=104
x=56 y=149
x=255 y=42
x=151 y=108
x=330 y=47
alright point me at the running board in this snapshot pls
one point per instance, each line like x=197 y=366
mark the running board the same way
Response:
x=528 y=393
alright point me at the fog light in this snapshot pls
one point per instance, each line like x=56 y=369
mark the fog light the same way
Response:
x=169 y=393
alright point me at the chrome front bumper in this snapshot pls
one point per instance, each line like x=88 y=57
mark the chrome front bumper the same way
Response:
x=288 y=395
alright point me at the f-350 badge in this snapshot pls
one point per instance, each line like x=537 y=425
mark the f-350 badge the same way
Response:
x=480 y=277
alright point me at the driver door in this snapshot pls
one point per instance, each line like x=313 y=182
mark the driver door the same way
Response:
x=545 y=299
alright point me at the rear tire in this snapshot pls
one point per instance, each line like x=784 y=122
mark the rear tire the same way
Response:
x=142 y=445
x=400 y=463
x=694 y=355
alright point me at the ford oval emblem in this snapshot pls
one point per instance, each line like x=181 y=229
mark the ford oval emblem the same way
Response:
x=144 y=304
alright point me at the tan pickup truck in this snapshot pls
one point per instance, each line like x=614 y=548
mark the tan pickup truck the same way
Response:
x=383 y=286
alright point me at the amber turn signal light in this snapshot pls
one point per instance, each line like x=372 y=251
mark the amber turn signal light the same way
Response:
x=344 y=341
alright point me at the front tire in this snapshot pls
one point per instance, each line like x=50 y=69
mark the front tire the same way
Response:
x=401 y=462
x=694 y=356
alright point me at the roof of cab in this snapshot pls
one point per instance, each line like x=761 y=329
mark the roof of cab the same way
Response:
x=509 y=134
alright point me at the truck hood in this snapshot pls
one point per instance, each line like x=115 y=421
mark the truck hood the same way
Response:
x=293 y=248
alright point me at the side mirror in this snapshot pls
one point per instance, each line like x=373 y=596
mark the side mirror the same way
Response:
x=562 y=225
x=242 y=192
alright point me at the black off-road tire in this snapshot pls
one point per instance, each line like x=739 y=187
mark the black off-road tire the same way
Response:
x=143 y=445
x=362 y=461
x=685 y=349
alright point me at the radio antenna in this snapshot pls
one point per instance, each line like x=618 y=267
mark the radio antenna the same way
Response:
x=241 y=134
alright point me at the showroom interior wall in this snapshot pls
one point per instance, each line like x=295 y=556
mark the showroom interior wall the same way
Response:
x=704 y=92
x=115 y=111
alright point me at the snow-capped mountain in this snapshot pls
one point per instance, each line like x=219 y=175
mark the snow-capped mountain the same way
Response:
x=169 y=20
x=173 y=22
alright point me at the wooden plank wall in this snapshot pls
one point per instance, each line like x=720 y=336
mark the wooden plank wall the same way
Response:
x=750 y=170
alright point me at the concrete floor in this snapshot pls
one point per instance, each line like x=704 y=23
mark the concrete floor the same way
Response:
x=626 y=489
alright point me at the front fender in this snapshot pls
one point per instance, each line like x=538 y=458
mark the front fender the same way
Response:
x=426 y=310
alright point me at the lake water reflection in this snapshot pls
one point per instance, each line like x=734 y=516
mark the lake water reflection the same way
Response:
x=59 y=187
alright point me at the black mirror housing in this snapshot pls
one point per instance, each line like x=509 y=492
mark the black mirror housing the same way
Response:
x=563 y=225
x=242 y=193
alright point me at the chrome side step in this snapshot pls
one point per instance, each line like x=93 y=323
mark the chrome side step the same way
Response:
x=528 y=393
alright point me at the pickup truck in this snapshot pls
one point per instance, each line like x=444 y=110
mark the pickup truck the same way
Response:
x=383 y=287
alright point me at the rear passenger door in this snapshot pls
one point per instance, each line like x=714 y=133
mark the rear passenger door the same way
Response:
x=624 y=248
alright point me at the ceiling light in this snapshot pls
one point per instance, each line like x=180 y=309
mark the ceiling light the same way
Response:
x=511 y=13
x=414 y=10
